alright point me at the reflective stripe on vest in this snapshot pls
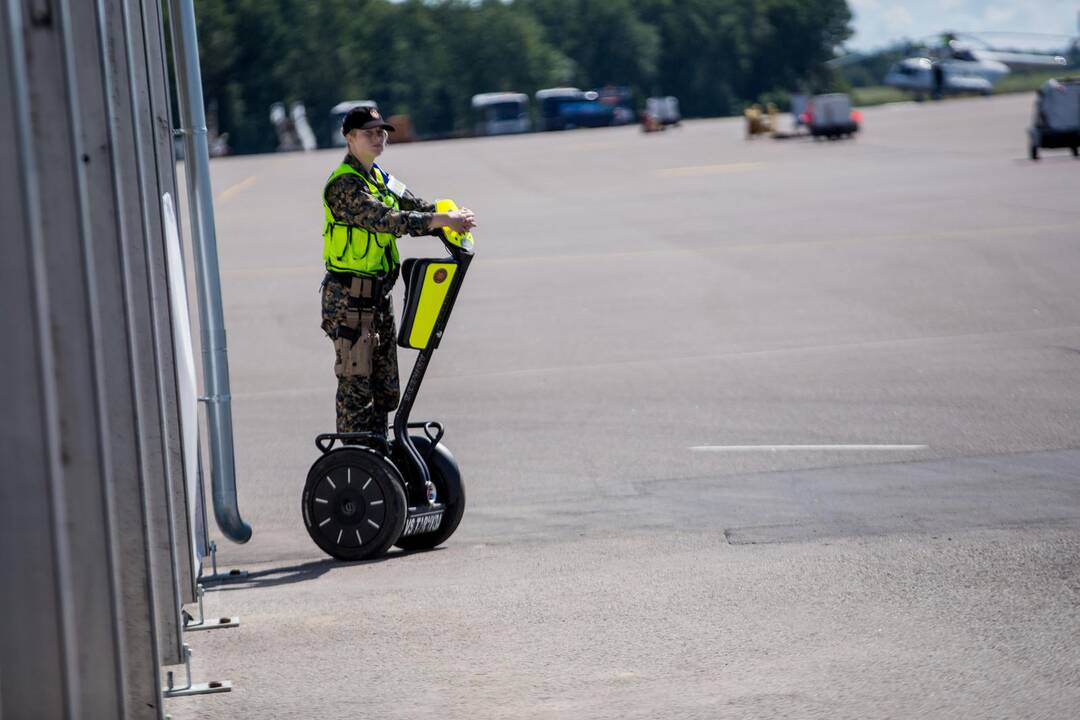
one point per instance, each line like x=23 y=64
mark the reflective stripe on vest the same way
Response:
x=353 y=249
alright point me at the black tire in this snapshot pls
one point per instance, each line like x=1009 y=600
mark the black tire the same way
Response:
x=1076 y=151
x=1033 y=152
x=353 y=504
x=450 y=490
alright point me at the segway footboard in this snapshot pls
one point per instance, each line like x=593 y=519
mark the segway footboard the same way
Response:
x=422 y=520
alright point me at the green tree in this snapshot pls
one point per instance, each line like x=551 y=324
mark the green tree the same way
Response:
x=427 y=58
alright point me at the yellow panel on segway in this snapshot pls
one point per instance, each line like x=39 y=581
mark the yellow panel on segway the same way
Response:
x=433 y=289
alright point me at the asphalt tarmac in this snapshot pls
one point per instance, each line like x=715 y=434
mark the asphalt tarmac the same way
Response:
x=750 y=429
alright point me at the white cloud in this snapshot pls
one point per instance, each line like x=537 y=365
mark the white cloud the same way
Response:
x=999 y=15
x=899 y=18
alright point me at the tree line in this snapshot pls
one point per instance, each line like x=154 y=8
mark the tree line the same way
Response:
x=428 y=58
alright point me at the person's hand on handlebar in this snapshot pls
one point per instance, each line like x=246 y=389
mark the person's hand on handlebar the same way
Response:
x=461 y=220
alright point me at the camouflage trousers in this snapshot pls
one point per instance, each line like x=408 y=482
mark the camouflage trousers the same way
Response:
x=363 y=403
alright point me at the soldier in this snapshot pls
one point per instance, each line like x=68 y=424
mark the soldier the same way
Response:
x=366 y=210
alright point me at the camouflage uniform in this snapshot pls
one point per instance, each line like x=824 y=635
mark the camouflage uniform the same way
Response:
x=363 y=403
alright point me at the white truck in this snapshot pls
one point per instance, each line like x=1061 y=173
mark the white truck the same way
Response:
x=500 y=113
x=665 y=110
x=1057 y=117
x=831 y=116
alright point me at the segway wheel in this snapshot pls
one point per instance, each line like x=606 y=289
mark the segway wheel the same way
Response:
x=446 y=477
x=353 y=504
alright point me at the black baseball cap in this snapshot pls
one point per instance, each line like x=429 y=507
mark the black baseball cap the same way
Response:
x=363 y=118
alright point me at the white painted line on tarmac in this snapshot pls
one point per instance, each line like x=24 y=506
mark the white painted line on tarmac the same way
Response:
x=795 y=448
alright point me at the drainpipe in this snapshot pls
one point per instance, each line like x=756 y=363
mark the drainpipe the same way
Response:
x=207 y=276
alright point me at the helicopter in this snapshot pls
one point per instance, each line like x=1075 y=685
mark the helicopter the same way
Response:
x=964 y=63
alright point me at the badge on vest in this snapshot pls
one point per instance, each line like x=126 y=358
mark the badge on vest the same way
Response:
x=395 y=186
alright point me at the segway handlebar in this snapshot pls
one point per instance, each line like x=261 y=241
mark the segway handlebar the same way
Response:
x=459 y=244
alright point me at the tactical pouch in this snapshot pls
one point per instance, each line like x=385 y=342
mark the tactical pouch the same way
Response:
x=354 y=345
x=354 y=357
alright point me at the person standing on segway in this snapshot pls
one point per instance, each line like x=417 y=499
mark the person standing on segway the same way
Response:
x=366 y=210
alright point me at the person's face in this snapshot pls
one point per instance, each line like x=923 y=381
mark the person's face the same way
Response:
x=367 y=143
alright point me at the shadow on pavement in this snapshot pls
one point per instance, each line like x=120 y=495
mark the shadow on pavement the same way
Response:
x=302 y=572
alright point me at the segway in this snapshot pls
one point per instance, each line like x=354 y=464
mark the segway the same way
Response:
x=365 y=493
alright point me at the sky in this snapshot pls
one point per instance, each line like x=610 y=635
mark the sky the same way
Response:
x=881 y=22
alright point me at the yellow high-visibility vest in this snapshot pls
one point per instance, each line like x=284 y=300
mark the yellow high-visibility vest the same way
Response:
x=357 y=250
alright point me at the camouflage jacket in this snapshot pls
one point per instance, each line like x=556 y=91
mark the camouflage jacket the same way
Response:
x=352 y=203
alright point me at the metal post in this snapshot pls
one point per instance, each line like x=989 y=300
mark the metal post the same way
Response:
x=161 y=166
x=107 y=196
x=208 y=280
x=38 y=638
x=135 y=197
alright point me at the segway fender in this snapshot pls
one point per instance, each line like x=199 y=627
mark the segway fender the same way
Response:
x=446 y=477
x=446 y=465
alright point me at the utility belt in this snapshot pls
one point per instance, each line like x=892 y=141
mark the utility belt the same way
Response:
x=383 y=284
x=356 y=338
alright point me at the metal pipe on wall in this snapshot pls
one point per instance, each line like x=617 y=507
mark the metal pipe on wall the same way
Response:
x=207 y=275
